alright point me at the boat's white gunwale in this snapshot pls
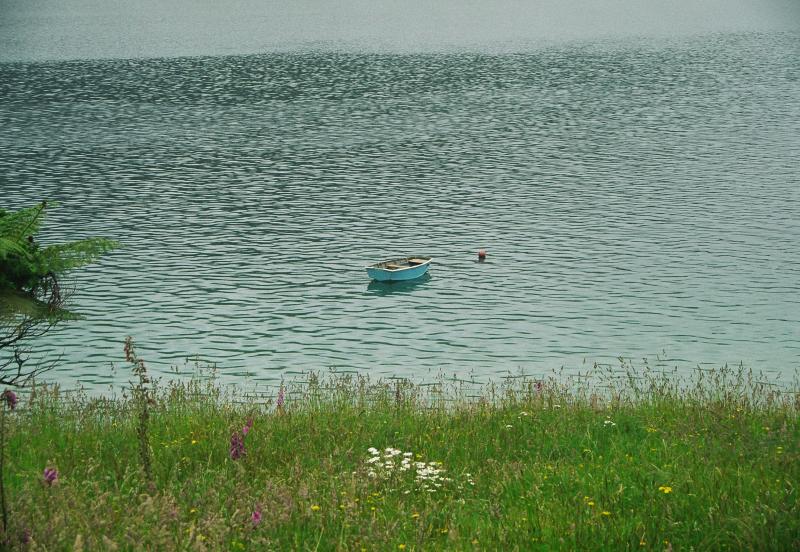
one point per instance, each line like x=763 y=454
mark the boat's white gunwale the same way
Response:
x=402 y=268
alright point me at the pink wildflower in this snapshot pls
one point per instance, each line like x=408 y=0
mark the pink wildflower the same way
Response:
x=256 y=517
x=10 y=397
x=237 y=445
x=247 y=427
x=50 y=475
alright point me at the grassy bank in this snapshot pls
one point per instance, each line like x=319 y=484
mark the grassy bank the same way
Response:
x=641 y=462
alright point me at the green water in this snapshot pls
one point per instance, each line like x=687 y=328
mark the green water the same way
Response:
x=638 y=197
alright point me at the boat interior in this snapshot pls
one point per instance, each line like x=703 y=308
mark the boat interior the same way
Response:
x=397 y=264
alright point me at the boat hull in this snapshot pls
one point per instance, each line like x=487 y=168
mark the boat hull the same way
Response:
x=398 y=275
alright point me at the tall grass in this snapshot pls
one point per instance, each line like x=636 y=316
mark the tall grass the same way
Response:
x=637 y=459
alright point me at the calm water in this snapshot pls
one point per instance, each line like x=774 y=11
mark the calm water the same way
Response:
x=637 y=198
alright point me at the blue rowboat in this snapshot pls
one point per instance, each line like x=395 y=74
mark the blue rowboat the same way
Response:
x=396 y=270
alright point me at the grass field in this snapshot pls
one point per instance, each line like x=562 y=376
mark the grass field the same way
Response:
x=630 y=461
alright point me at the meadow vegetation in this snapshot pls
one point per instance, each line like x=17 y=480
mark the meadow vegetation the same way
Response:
x=624 y=460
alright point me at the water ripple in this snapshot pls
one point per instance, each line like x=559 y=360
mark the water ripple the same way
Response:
x=633 y=200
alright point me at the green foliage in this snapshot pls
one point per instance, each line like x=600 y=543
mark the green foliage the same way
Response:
x=31 y=300
x=25 y=266
x=706 y=467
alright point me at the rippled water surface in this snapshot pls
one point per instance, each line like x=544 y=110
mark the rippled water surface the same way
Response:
x=636 y=199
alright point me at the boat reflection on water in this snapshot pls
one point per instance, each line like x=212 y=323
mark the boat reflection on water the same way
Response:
x=400 y=286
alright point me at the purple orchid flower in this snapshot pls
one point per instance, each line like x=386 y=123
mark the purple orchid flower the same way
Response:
x=50 y=476
x=256 y=517
x=10 y=397
x=279 y=402
x=237 y=445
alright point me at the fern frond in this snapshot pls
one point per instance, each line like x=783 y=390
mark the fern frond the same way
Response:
x=63 y=257
x=23 y=223
x=10 y=246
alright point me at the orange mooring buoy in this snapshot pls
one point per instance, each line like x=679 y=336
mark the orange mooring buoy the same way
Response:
x=481 y=254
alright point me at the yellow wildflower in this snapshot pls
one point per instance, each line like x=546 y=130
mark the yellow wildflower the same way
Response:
x=606 y=513
x=315 y=508
x=415 y=515
x=401 y=546
x=665 y=489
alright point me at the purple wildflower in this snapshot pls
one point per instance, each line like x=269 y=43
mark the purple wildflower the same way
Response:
x=50 y=475
x=247 y=427
x=10 y=397
x=281 y=398
x=256 y=517
x=237 y=445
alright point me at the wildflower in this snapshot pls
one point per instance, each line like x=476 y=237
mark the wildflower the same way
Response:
x=509 y=426
x=129 y=356
x=373 y=451
x=401 y=546
x=247 y=427
x=256 y=517
x=50 y=476
x=237 y=445
x=609 y=423
x=194 y=442
x=279 y=402
x=10 y=397
x=315 y=508
x=665 y=489
x=606 y=513
x=590 y=503
x=415 y=515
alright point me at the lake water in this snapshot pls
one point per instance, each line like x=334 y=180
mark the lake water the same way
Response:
x=637 y=198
